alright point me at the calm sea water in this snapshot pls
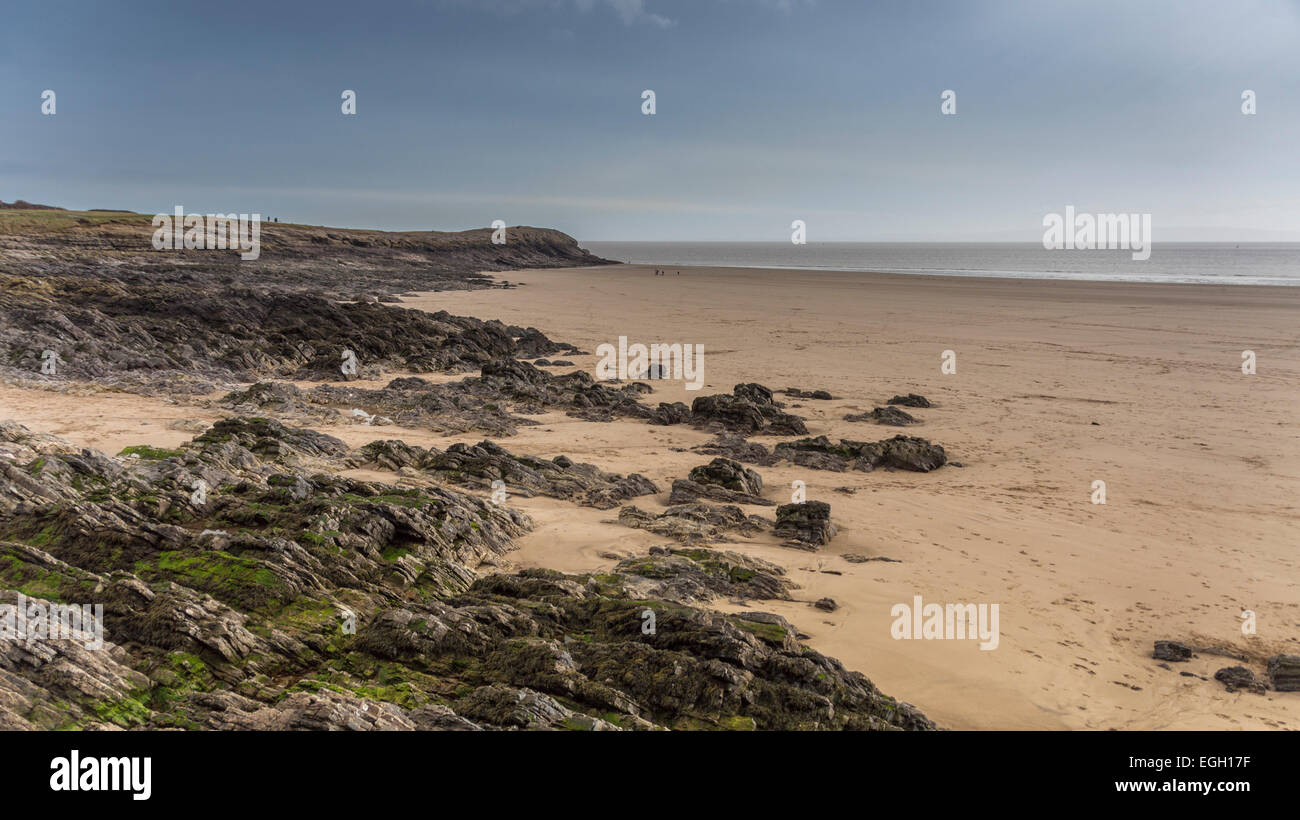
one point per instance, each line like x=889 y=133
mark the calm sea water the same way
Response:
x=1249 y=263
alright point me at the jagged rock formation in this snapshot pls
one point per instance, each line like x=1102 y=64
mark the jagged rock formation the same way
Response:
x=232 y=611
x=720 y=480
x=750 y=409
x=899 y=452
x=170 y=337
x=89 y=287
x=735 y=446
x=478 y=466
x=807 y=523
x=694 y=523
x=1284 y=672
x=691 y=575
x=488 y=403
x=1234 y=678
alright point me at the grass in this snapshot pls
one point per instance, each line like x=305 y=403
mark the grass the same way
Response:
x=29 y=221
x=148 y=453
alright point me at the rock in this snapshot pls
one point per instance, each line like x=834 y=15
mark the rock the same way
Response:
x=700 y=575
x=480 y=464
x=723 y=472
x=489 y=402
x=1239 y=677
x=675 y=413
x=749 y=409
x=808 y=522
x=891 y=416
x=899 y=452
x=232 y=614
x=693 y=523
x=720 y=480
x=827 y=604
x=795 y=392
x=911 y=400
x=1284 y=672
x=1172 y=651
x=737 y=448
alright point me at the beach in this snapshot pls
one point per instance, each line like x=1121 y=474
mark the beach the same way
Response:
x=1056 y=385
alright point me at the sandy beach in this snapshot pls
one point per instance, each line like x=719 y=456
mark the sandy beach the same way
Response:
x=1057 y=385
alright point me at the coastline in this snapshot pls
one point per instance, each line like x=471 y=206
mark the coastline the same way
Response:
x=1198 y=463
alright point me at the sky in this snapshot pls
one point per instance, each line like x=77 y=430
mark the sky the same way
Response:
x=766 y=111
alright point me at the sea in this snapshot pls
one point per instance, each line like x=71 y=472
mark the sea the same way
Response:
x=1219 y=263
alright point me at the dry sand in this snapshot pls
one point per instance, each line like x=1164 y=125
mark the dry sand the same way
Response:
x=1200 y=463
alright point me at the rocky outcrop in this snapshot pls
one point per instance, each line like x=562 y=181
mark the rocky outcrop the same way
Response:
x=898 y=453
x=806 y=524
x=911 y=400
x=287 y=598
x=168 y=337
x=720 y=480
x=738 y=448
x=890 y=416
x=480 y=464
x=1284 y=672
x=749 y=409
x=1236 y=678
x=339 y=263
x=694 y=523
x=701 y=575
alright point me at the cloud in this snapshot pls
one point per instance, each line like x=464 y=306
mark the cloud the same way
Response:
x=630 y=12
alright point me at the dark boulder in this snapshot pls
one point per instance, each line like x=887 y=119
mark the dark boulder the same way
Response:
x=899 y=452
x=808 y=522
x=1172 y=651
x=1284 y=672
x=911 y=400
x=1239 y=677
x=890 y=416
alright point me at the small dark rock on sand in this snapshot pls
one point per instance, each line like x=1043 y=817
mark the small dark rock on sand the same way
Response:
x=795 y=392
x=1172 y=651
x=1239 y=677
x=890 y=415
x=911 y=400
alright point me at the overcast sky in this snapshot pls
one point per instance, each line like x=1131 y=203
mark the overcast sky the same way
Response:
x=767 y=111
